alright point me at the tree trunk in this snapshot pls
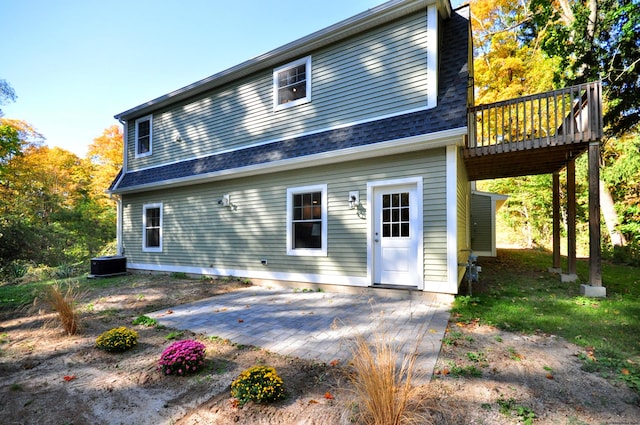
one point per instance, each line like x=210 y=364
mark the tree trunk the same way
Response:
x=610 y=216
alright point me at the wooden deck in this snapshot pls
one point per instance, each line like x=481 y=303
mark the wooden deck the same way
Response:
x=535 y=134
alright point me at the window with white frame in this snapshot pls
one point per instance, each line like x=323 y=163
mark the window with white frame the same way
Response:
x=307 y=220
x=144 y=133
x=292 y=84
x=152 y=227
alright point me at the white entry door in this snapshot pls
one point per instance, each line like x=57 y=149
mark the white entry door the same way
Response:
x=396 y=236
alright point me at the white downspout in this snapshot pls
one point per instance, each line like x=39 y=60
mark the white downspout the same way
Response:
x=120 y=250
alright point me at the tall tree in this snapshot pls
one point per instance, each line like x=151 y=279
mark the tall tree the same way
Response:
x=594 y=39
x=105 y=156
x=505 y=67
x=7 y=94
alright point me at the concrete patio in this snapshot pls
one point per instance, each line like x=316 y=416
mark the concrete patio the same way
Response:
x=319 y=326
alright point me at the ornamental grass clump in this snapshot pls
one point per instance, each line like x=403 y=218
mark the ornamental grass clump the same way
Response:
x=260 y=384
x=117 y=339
x=64 y=303
x=182 y=357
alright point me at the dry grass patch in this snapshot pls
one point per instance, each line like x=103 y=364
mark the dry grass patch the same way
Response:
x=64 y=303
x=383 y=382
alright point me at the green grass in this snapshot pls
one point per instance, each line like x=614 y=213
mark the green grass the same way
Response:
x=13 y=297
x=516 y=293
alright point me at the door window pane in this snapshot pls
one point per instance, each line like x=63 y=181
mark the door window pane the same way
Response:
x=395 y=215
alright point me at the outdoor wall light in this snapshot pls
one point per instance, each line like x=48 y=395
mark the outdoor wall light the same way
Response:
x=354 y=199
x=225 y=201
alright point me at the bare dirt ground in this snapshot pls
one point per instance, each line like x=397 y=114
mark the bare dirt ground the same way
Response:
x=48 y=377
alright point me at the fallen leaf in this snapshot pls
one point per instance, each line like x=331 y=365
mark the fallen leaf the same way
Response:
x=549 y=376
x=328 y=396
x=624 y=371
x=69 y=377
x=313 y=402
x=334 y=362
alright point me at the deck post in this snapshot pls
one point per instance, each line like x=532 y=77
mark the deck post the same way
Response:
x=571 y=275
x=594 y=288
x=557 y=267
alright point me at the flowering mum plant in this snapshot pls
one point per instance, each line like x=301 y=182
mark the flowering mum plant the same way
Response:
x=182 y=357
x=117 y=339
x=258 y=384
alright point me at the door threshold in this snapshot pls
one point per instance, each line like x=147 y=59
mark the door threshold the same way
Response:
x=390 y=286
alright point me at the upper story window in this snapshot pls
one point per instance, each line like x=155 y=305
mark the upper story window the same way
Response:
x=292 y=84
x=144 y=134
x=152 y=228
x=307 y=220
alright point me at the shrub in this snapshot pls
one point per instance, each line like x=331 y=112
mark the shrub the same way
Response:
x=258 y=384
x=64 y=304
x=117 y=339
x=145 y=321
x=64 y=271
x=16 y=270
x=182 y=357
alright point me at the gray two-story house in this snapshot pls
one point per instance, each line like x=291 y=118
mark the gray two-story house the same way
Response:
x=334 y=159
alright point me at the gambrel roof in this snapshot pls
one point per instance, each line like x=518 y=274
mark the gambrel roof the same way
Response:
x=380 y=137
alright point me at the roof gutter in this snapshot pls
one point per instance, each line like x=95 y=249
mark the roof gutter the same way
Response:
x=361 y=22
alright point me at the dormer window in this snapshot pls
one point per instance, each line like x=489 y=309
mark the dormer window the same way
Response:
x=144 y=131
x=292 y=84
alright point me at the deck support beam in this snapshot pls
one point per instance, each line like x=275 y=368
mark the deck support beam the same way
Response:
x=571 y=275
x=557 y=266
x=594 y=288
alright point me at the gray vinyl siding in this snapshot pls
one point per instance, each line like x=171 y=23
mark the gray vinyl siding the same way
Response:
x=481 y=235
x=378 y=73
x=197 y=232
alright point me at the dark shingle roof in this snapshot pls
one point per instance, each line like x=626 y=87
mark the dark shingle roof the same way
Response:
x=449 y=114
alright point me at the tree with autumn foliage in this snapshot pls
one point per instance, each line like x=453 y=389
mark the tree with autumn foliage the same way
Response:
x=53 y=207
x=105 y=157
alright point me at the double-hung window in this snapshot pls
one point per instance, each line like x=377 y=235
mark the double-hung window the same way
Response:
x=144 y=134
x=307 y=220
x=152 y=228
x=292 y=84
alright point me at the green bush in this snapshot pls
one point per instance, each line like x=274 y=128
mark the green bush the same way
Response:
x=145 y=321
x=117 y=339
x=258 y=384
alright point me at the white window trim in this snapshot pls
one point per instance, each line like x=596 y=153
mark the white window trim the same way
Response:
x=139 y=120
x=145 y=207
x=309 y=252
x=276 y=106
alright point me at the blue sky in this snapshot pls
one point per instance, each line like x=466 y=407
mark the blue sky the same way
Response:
x=76 y=63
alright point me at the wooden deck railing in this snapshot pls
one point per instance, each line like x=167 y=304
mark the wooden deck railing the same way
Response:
x=569 y=115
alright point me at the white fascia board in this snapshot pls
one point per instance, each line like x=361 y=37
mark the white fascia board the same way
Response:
x=452 y=217
x=494 y=196
x=432 y=56
x=391 y=147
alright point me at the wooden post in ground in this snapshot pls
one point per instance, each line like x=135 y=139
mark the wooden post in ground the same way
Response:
x=557 y=267
x=595 y=288
x=571 y=275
